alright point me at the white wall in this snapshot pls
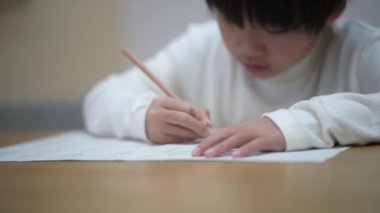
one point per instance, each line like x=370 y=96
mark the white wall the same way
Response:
x=51 y=53
x=55 y=50
x=150 y=24
x=367 y=10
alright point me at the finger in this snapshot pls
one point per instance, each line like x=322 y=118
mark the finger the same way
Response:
x=179 y=105
x=171 y=139
x=170 y=134
x=210 y=141
x=271 y=144
x=201 y=114
x=186 y=121
x=204 y=116
x=226 y=145
x=182 y=134
x=253 y=146
x=198 y=114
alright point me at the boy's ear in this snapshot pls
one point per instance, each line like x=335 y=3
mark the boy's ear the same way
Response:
x=338 y=12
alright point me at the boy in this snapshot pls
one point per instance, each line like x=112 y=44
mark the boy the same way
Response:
x=275 y=76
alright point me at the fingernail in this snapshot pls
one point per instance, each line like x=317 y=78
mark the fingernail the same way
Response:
x=210 y=153
x=236 y=154
x=196 y=152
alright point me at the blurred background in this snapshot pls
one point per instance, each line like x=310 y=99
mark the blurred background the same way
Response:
x=52 y=52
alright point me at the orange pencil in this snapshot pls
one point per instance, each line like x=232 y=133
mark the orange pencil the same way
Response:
x=149 y=73
x=152 y=77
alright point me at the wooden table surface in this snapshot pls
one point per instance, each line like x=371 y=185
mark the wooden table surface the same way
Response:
x=347 y=183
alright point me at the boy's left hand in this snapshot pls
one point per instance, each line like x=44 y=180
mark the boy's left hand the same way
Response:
x=250 y=137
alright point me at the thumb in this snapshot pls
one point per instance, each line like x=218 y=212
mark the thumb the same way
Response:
x=203 y=115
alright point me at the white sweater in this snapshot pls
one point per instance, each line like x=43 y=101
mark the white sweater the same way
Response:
x=330 y=97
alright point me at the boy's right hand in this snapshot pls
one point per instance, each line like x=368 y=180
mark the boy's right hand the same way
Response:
x=170 y=120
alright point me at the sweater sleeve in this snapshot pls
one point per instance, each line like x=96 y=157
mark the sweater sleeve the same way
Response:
x=344 y=118
x=341 y=118
x=117 y=106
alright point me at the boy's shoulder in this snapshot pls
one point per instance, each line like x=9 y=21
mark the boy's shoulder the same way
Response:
x=204 y=30
x=355 y=31
x=208 y=26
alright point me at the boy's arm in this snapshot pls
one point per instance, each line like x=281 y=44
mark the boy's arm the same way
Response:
x=115 y=103
x=117 y=106
x=319 y=123
x=342 y=118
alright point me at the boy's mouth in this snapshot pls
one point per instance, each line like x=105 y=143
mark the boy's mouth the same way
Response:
x=255 y=68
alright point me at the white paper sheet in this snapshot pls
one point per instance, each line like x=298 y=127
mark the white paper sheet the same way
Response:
x=82 y=146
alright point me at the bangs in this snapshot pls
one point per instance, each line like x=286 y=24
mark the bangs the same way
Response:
x=282 y=15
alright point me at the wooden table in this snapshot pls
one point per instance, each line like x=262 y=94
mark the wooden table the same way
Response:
x=347 y=183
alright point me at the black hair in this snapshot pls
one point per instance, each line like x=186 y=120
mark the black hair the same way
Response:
x=278 y=15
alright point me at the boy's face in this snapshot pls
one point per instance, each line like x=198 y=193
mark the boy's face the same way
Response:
x=262 y=53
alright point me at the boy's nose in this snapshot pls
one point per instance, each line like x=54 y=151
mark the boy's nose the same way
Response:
x=251 y=45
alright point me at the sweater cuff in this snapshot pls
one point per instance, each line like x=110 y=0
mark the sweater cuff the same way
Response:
x=294 y=132
x=138 y=113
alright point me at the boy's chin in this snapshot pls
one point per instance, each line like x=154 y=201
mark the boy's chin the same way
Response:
x=261 y=73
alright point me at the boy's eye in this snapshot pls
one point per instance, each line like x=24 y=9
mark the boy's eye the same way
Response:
x=276 y=30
